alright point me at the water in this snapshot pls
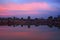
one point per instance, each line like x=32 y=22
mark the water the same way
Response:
x=42 y=32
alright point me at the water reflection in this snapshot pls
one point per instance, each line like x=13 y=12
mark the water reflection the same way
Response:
x=49 y=25
x=33 y=32
x=21 y=32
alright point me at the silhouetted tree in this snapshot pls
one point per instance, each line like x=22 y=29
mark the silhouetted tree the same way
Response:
x=22 y=18
x=14 y=18
x=50 y=18
x=29 y=17
x=55 y=18
x=0 y=19
x=58 y=18
x=36 y=18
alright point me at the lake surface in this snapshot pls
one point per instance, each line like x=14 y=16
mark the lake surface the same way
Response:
x=42 y=32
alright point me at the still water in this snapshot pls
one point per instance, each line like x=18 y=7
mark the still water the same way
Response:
x=42 y=32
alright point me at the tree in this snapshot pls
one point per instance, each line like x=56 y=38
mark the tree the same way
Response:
x=36 y=18
x=58 y=17
x=29 y=17
x=14 y=18
x=22 y=18
x=50 y=18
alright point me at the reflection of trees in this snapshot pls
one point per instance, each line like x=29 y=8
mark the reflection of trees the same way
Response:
x=28 y=26
x=49 y=25
x=21 y=25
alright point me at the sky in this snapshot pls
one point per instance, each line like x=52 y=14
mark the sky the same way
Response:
x=33 y=8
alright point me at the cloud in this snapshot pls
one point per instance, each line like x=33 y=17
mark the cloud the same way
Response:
x=16 y=12
x=33 y=8
x=26 y=6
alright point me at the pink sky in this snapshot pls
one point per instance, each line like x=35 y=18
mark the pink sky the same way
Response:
x=30 y=8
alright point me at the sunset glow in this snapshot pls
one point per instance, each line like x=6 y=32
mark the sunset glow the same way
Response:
x=24 y=7
x=31 y=7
